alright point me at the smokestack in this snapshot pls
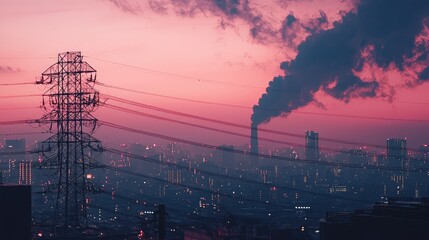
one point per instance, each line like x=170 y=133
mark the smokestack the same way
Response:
x=254 y=139
x=254 y=148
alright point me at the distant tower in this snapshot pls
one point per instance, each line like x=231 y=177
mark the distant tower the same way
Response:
x=227 y=158
x=397 y=152
x=311 y=145
x=397 y=157
x=254 y=148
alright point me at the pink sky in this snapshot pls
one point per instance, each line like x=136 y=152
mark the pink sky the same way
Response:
x=34 y=32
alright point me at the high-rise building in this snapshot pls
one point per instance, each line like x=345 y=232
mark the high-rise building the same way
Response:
x=14 y=152
x=423 y=152
x=311 y=145
x=174 y=176
x=397 y=152
x=397 y=158
x=227 y=157
x=24 y=173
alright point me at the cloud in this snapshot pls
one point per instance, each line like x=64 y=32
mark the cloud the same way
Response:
x=127 y=6
x=261 y=28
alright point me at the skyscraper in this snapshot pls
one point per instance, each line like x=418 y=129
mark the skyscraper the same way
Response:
x=397 y=157
x=311 y=145
x=227 y=157
x=397 y=152
x=174 y=176
x=14 y=152
x=24 y=173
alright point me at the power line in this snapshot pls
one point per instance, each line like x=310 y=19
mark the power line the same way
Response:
x=16 y=84
x=260 y=155
x=240 y=179
x=114 y=194
x=5 y=153
x=267 y=109
x=247 y=136
x=14 y=122
x=20 y=96
x=196 y=188
x=210 y=80
x=171 y=97
x=364 y=117
x=25 y=58
x=176 y=75
x=16 y=108
x=164 y=110
x=21 y=133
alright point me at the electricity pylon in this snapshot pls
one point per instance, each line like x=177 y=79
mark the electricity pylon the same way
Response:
x=69 y=103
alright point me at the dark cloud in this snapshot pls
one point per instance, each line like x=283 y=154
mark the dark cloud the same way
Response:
x=228 y=11
x=7 y=69
x=384 y=31
x=127 y=6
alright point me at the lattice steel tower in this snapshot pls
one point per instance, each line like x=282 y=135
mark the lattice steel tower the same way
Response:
x=69 y=103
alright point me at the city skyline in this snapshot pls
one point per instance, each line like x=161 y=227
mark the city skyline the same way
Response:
x=228 y=65
x=223 y=119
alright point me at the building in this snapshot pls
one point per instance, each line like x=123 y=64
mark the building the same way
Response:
x=397 y=152
x=397 y=158
x=14 y=153
x=174 y=176
x=15 y=212
x=312 y=146
x=14 y=145
x=227 y=157
x=399 y=219
x=25 y=173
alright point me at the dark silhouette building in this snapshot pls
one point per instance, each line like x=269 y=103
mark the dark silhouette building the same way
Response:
x=15 y=212
x=397 y=157
x=398 y=219
x=311 y=145
x=14 y=145
x=228 y=157
x=397 y=152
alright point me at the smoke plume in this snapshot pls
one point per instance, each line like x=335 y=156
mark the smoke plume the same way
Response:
x=381 y=34
x=253 y=13
x=345 y=59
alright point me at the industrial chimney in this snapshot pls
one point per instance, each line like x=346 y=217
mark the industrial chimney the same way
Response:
x=254 y=139
x=254 y=148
